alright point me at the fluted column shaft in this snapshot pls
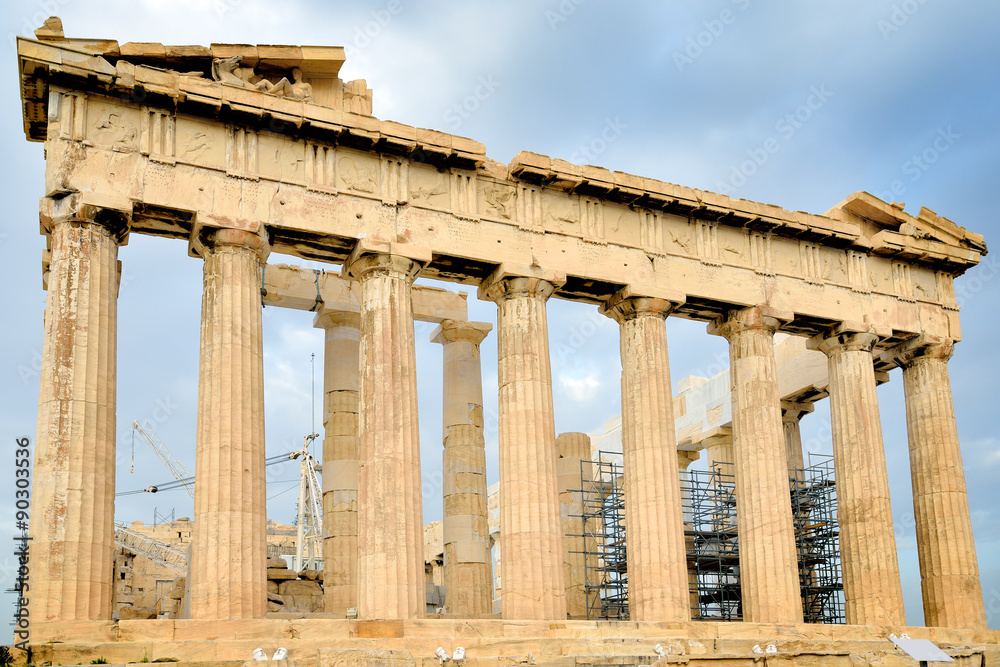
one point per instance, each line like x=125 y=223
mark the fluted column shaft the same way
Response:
x=468 y=568
x=73 y=501
x=872 y=591
x=576 y=478
x=390 y=507
x=949 y=570
x=656 y=558
x=228 y=566
x=530 y=527
x=791 y=418
x=341 y=378
x=719 y=452
x=768 y=564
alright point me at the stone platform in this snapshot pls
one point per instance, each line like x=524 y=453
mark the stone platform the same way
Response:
x=321 y=642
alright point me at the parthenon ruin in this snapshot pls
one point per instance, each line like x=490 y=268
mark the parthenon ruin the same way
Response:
x=247 y=152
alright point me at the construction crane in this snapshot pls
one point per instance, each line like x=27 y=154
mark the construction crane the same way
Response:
x=310 y=518
x=178 y=469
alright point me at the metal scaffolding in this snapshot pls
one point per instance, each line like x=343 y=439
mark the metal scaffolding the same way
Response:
x=709 y=499
x=712 y=545
x=814 y=511
x=605 y=573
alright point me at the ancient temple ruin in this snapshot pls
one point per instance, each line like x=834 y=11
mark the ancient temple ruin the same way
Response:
x=249 y=152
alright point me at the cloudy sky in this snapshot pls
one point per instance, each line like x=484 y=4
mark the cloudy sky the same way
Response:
x=896 y=98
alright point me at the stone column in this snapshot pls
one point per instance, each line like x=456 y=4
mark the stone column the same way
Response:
x=468 y=570
x=657 y=562
x=769 y=574
x=872 y=591
x=390 y=507
x=530 y=527
x=791 y=415
x=576 y=478
x=341 y=377
x=73 y=503
x=719 y=453
x=229 y=554
x=684 y=459
x=949 y=571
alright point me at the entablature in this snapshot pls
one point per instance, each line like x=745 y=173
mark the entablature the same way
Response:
x=181 y=153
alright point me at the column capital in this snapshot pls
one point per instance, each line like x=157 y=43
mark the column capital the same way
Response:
x=629 y=303
x=713 y=436
x=921 y=348
x=573 y=445
x=794 y=412
x=509 y=281
x=845 y=338
x=204 y=239
x=394 y=259
x=116 y=217
x=686 y=457
x=450 y=331
x=746 y=319
x=329 y=319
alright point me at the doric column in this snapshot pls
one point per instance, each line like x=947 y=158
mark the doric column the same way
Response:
x=530 y=528
x=769 y=576
x=341 y=377
x=684 y=460
x=73 y=502
x=390 y=507
x=872 y=591
x=949 y=571
x=791 y=416
x=576 y=479
x=719 y=454
x=468 y=570
x=657 y=562
x=228 y=565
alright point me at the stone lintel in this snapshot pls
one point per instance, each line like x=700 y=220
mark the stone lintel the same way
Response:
x=634 y=299
x=535 y=279
x=754 y=317
x=366 y=247
x=453 y=330
x=300 y=288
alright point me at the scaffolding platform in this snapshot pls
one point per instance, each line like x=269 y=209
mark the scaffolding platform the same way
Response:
x=711 y=541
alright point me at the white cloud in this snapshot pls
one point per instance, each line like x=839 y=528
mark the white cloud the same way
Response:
x=580 y=389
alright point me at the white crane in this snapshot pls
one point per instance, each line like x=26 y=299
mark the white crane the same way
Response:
x=177 y=469
x=310 y=517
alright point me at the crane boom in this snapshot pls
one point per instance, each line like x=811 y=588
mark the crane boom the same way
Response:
x=177 y=469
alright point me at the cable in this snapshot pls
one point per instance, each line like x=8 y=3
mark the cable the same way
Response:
x=282 y=492
x=173 y=485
